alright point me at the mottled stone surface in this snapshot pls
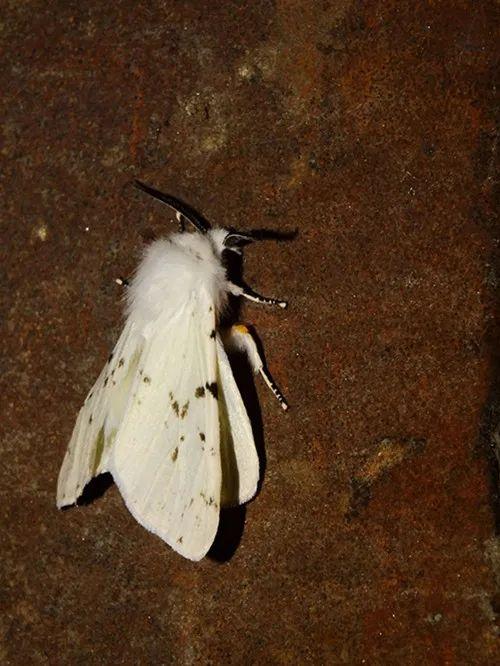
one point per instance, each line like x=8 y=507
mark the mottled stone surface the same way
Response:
x=369 y=127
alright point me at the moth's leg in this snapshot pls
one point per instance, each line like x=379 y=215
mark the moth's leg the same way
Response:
x=181 y=220
x=123 y=282
x=246 y=292
x=239 y=337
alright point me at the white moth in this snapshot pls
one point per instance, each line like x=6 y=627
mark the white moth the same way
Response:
x=165 y=416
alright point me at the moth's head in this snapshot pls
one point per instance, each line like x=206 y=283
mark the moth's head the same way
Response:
x=228 y=240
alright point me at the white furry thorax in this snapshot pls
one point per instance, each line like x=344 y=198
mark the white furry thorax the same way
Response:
x=175 y=269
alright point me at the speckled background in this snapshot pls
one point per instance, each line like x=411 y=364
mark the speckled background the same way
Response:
x=367 y=126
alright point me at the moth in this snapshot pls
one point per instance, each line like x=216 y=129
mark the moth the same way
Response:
x=165 y=416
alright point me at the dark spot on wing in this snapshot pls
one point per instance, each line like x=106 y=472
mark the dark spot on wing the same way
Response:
x=182 y=438
x=90 y=418
x=200 y=392
x=179 y=411
x=212 y=387
x=175 y=453
x=106 y=381
x=146 y=379
x=110 y=357
x=212 y=334
x=141 y=371
x=202 y=436
x=179 y=540
x=210 y=309
x=121 y=362
x=208 y=501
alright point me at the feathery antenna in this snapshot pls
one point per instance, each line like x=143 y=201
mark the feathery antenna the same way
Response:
x=178 y=206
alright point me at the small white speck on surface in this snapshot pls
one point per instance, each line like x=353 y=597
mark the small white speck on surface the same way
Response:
x=41 y=231
x=434 y=618
x=246 y=71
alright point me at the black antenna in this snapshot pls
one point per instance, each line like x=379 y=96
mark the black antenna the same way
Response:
x=179 y=206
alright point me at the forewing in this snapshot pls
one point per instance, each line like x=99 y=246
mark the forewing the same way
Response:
x=166 y=457
x=239 y=459
x=99 y=419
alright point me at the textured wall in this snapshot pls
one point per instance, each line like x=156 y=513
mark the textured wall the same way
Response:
x=368 y=126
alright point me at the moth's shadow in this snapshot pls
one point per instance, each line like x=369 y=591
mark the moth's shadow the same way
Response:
x=95 y=488
x=232 y=519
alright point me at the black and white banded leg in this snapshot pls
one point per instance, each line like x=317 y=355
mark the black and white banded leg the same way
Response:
x=251 y=295
x=240 y=338
x=277 y=393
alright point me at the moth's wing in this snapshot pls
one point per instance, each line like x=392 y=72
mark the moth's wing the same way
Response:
x=239 y=459
x=166 y=457
x=88 y=451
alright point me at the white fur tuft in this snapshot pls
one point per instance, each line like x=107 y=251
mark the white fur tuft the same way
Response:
x=171 y=269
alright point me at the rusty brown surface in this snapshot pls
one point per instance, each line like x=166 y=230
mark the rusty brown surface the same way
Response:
x=370 y=128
